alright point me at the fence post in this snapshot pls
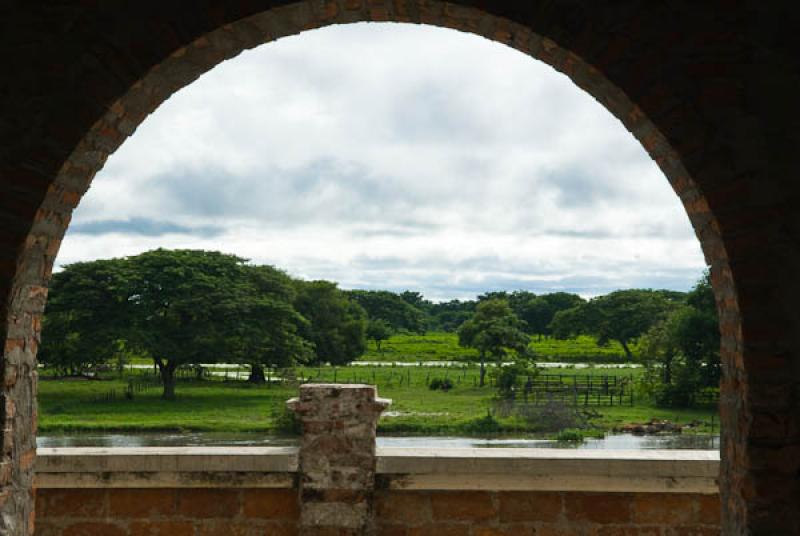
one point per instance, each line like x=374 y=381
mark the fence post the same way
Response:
x=336 y=462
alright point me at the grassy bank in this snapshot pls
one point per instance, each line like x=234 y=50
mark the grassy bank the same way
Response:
x=237 y=406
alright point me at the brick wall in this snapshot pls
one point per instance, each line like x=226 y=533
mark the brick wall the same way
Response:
x=196 y=512
x=166 y=512
x=338 y=484
x=525 y=513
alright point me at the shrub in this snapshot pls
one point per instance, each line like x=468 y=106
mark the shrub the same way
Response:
x=484 y=425
x=552 y=416
x=569 y=435
x=440 y=384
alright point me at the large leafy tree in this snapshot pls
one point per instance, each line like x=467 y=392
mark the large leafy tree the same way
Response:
x=262 y=326
x=87 y=313
x=448 y=316
x=622 y=315
x=179 y=299
x=538 y=312
x=378 y=330
x=179 y=307
x=337 y=325
x=495 y=331
x=416 y=299
x=682 y=351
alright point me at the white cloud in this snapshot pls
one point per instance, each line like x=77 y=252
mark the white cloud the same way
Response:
x=385 y=155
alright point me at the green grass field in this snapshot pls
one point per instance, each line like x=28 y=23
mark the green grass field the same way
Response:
x=444 y=347
x=236 y=406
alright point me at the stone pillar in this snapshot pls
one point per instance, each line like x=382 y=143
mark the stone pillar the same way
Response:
x=337 y=457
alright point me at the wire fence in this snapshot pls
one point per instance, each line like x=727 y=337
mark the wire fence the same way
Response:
x=578 y=389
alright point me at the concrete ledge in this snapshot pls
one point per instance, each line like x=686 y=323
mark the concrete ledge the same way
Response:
x=166 y=467
x=650 y=471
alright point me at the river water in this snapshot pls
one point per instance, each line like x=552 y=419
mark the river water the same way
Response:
x=166 y=439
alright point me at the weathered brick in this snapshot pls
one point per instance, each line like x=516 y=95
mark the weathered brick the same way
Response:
x=505 y=530
x=279 y=504
x=203 y=503
x=462 y=505
x=137 y=503
x=391 y=530
x=550 y=529
x=412 y=508
x=664 y=508
x=439 y=529
x=72 y=502
x=708 y=509
x=161 y=528
x=529 y=506
x=695 y=531
x=94 y=529
x=606 y=530
x=599 y=507
x=337 y=454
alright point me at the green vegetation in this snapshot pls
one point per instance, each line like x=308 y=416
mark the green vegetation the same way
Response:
x=213 y=404
x=238 y=338
x=495 y=332
x=412 y=348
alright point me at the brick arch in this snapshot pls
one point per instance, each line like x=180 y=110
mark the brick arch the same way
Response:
x=674 y=78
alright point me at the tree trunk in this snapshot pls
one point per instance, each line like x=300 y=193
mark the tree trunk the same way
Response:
x=378 y=346
x=167 y=371
x=668 y=371
x=483 y=370
x=257 y=374
x=628 y=353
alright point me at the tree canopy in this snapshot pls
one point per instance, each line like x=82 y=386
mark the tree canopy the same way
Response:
x=622 y=315
x=392 y=309
x=182 y=307
x=87 y=313
x=337 y=325
x=495 y=331
x=178 y=307
x=681 y=351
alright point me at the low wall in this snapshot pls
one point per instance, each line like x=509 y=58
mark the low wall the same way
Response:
x=255 y=490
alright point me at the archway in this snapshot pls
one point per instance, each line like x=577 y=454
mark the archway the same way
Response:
x=133 y=61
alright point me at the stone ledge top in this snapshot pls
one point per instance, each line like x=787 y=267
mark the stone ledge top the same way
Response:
x=547 y=454
x=397 y=468
x=650 y=471
x=166 y=459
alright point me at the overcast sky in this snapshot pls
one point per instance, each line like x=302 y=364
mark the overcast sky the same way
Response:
x=397 y=157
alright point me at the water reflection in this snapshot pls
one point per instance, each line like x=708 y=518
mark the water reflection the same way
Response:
x=611 y=441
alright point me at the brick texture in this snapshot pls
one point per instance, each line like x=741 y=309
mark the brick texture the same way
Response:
x=167 y=512
x=521 y=513
x=337 y=457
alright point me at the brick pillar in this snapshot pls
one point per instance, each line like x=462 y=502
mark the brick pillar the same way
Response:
x=337 y=457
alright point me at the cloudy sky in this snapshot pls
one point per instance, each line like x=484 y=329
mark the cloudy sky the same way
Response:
x=394 y=156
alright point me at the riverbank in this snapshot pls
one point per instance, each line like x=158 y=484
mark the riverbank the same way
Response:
x=216 y=405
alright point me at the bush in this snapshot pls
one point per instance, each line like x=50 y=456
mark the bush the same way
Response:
x=511 y=378
x=484 y=425
x=570 y=435
x=552 y=416
x=440 y=384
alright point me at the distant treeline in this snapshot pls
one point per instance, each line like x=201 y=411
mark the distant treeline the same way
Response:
x=181 y=307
